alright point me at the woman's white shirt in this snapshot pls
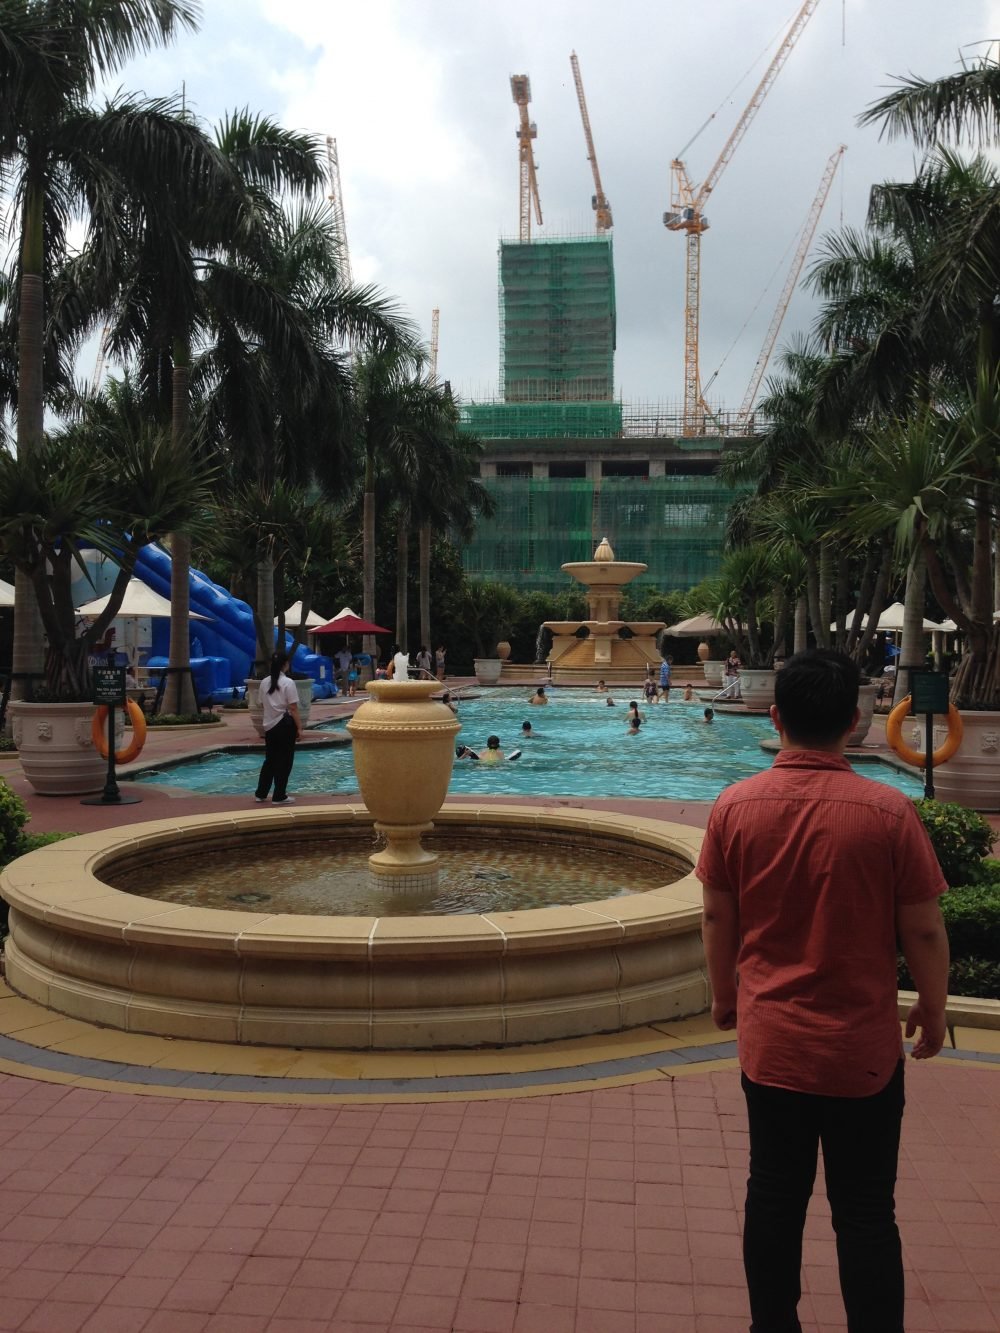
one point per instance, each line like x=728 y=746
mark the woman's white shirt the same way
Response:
x=277 y=704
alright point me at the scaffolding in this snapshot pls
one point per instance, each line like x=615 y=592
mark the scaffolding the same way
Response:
x=557 y=320
x=676 y=525
x=494 y=419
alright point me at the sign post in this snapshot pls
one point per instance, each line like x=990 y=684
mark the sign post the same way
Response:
x=109 y=690
x=928 y=695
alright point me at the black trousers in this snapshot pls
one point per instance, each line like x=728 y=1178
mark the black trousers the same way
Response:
x=279 y=755
x=860 y=1138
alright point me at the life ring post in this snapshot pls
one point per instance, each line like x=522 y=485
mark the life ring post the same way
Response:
x=109 y=694
x=929 y=696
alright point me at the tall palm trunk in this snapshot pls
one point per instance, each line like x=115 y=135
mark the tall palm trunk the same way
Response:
x=996 y=567
x=368 y=550
x=825 y=594
x=28 y=652
x=179 y=696
x=402 y=575
x=265 y=608
x=425 y=585
x=801 y=626
x=911 y=649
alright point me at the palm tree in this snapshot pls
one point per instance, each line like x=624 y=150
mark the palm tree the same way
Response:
x=59 y=158
x=961 y=105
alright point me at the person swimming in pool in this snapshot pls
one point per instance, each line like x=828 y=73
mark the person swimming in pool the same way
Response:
x=634 y=723
x=528 y=733
x=491 y=755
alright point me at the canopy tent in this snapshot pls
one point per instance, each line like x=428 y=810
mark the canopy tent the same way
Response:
x=346 y=622
x=6 y=595
x=139 y=600
x=699 y=626
x=293 y=617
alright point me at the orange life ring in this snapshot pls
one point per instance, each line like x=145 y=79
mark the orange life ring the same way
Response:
x=894 y=736
x=99 y=733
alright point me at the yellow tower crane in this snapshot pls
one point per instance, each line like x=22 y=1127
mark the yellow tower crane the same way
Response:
x=599 y=200
x=805 y=241
x=688 y=215
x=520 y=87
x=336 y=198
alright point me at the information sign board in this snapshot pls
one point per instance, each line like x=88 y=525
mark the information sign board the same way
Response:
x=109 y=685
x=928 y=692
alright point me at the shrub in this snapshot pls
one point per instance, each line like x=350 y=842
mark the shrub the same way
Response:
x=961 y=838
x=13 y=817
x=972 y=917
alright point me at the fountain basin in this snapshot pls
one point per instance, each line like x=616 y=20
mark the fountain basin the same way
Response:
x=106 y=956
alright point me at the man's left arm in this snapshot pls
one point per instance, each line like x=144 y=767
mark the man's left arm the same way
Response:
x=720 y=932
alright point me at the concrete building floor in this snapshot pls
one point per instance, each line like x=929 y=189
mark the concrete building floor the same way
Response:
x=592 y=1187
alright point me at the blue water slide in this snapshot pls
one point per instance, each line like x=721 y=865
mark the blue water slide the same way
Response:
x=228 y=632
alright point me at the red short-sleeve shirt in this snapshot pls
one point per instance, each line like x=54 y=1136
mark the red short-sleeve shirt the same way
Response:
x=819 y=858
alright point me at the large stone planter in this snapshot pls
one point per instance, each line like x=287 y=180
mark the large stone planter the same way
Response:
x=488 y=670
x=757 y=687
x=713 y=673
x=866 y=706
x=256 y=708
x=55 y=747
x=403 y=755
x=972 y=776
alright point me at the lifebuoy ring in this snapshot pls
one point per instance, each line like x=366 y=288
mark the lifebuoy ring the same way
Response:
x=99 y=733
x=894 y=736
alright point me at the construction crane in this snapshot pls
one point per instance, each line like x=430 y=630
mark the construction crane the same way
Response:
x=688 y=215
x=520 y=87
x=336 y=198
x=791 y=282
x=435 y=332
x=599 y=200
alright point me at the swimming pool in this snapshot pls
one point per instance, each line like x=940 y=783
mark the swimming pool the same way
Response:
x=581 y=750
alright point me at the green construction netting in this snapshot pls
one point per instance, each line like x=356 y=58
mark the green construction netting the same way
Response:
x=557 y=308
x=543 y=421
x=676 y=525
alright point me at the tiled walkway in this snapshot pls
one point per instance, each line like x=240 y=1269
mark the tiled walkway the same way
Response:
x=608 y=1212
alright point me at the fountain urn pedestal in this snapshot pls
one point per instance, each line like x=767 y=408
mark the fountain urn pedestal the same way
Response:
x=403 y=755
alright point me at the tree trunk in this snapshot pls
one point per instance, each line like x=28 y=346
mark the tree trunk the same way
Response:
x=28 y=652
x=911 y=649
x=425 y=586
x=801 y=639
x=402 y=574
x=996 y=567
x=813 y=595
x=265 y=608
x=368 y=560
x=179 y=695
x=825 y=594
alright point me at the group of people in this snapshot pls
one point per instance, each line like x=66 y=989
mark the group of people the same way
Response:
x=399 y=666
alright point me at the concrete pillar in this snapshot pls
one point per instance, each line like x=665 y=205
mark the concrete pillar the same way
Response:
x=487 y=469
x=539 y=471
x=657 y=467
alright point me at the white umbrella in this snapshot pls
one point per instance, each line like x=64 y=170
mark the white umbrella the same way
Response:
x=697 y=626
x=892 y=619
x=849 y=621
x=139 y=600
x=6 y=594
x=293 y=616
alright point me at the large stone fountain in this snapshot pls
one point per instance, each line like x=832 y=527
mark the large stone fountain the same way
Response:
x=603 y=645
x=85 y=942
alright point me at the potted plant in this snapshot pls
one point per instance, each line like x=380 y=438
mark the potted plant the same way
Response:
x=106 y=486
x=487 y=609
x=750 y=594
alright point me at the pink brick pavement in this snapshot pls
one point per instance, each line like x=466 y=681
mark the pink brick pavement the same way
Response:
x=615 y=1211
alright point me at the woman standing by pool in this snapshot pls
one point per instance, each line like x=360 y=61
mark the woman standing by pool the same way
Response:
x=282 y=728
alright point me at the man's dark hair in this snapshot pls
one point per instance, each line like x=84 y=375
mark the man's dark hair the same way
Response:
x=816 y=693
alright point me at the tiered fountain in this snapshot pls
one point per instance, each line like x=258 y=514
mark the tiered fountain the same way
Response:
x=603 y=645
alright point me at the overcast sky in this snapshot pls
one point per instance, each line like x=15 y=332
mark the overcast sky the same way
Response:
x=417 y=94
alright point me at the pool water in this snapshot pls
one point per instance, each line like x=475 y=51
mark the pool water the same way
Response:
x=581 y=749
x=324 y=878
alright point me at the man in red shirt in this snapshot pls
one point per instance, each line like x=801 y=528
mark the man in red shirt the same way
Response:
x=810 y=873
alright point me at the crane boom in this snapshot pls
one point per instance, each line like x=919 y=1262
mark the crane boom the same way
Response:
x=687 y=215
x=520 y=87
x=805 y=241
x=336 y=198
x=599 y=203
x=753 y=106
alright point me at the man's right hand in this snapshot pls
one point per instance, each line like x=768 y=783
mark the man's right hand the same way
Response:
x=724 y=1014
x=933 y=1030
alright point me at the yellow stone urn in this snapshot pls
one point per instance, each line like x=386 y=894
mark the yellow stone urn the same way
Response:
x=404 y=748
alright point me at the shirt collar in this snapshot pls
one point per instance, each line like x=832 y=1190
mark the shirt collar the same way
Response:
x=810 y=759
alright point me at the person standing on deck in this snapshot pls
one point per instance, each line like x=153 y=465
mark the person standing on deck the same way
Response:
x=809 y=873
